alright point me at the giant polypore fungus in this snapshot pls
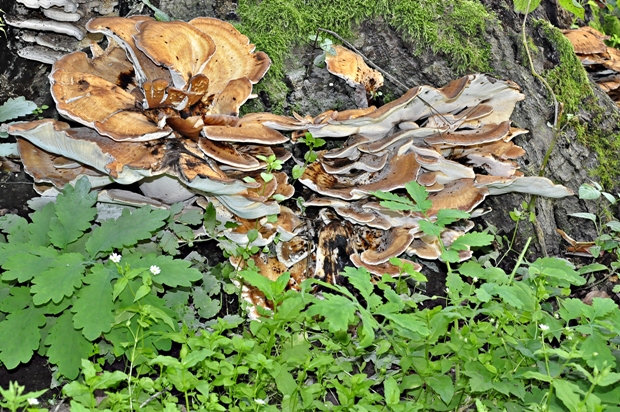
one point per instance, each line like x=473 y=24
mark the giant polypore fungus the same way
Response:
x=601 y=61
x=160 y=105
x=456 y=141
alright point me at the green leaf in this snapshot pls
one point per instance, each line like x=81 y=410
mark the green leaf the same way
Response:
x=596 y=352
x=360 y=278
x=419 y=195
x=339 y=312
x=398 y=205
x=67 y=346
x=23 y=266
x=210 y=219
x=392 y=197
x=510 y=295
x=62 y=277
x=442 y=385
x=568 y=393
x=125 y=231
x=142 y=292
x=74 y=211
x=588 y=192
x=593 y=267
x=191 y=217
x=267 y=177
x=526 y=6
x=574 y=7
x=93 y=308
x=40 y=227
x=474 y=239
x=284 y=380
x=584 y=215
x=408 y=321
x=613 y=225
x=391 y=391
x=608 y=379
x=16 y=227
x=298 y=171
x=447 y=216
x=20 y=336
x=16 y=107
x=14 y=298
x=430 y=228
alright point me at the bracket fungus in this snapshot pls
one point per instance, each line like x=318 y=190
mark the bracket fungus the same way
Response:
x=160 y=105
x=456 y=141
x=601 y=61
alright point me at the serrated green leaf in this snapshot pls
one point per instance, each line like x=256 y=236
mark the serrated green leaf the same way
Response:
x=14 y=298
x=510 y=295
x=210 y=219
x=25 y=265
x=16 y=107
x=474 y=239
x=173 y=272
x=521 y=6
x=191 y=217
x=40 y=227
x=93 y=308
x=451 y=256
x=430 y=228
x=398 y=205
x=447 y=216
x=389 y=196
x=206 y=307
x=360 y=278
x=75 y=212
x=169 y=243
x=20 y=336
x=127 y=230
x=408 y=321
x=67 y=346
x=63 y=276
x=16 y=227
x=419 y=195
x=339 y=312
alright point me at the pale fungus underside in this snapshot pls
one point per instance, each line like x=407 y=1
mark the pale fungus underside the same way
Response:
x=160 y=106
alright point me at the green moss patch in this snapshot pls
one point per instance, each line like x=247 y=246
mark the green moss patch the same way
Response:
x=571 y=85
x=452 y=27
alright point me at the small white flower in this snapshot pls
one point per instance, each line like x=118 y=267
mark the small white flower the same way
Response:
x=155 y=270
x=556 y=315
x=33 y=401
x=331 y=84
x=492 y=320
x=543 y=327
x=447 y=290
x=569 y=337
x=115 y=257
x=475 y=279
x=260 y=401
x=594 y=353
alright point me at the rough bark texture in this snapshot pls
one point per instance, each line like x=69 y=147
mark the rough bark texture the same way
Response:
x=313 y=90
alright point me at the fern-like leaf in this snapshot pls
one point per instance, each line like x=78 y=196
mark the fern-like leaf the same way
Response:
x=127 y=230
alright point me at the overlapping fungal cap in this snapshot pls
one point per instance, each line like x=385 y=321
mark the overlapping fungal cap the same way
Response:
x=160 y=105
x=601 y=61
x=456 y=141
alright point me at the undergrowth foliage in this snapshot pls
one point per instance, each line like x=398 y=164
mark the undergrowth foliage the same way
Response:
x=59 y=292
x=85 y=293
